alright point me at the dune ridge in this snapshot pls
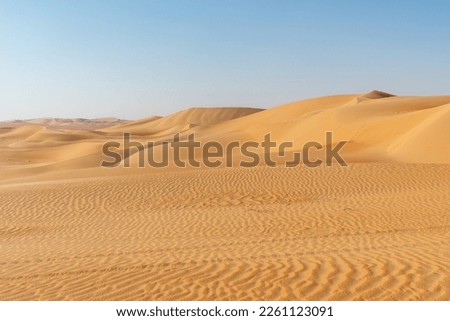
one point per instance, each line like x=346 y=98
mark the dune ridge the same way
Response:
x=379 y=128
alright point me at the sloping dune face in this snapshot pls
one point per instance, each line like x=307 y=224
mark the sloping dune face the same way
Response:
x=377 y=229
x=377 y=126
x=181 y=121
x=46 y=149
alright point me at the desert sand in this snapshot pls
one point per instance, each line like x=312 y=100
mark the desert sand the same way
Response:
x=378 y=229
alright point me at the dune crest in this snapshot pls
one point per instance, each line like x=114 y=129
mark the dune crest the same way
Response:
x=375 y=94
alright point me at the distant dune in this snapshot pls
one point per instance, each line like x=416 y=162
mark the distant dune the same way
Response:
x=378 y=229
x=66 y=123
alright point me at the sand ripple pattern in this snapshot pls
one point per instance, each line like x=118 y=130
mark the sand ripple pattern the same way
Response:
x=368 y=232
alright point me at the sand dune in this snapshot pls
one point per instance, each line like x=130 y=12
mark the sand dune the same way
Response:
x=378 y=229
x=379 y=127
x=180 y=121
x=374 y=94
x=66 y=123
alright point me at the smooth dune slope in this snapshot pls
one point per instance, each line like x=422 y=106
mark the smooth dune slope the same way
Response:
x=378 y=229
x=377 y=126
x=47 y=148
x=180 y=121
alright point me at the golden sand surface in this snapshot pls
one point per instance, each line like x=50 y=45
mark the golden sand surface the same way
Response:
x=378 y=229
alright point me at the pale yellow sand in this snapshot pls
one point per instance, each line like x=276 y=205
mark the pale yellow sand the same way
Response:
x=66 y=123
x=378 y=229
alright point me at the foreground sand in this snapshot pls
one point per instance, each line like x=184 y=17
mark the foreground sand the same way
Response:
x=371 y=231
x=376 y=230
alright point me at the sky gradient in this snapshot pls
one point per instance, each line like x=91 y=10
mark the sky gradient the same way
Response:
x=132 y=59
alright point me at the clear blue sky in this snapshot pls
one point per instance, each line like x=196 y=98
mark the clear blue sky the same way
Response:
x=132 y=59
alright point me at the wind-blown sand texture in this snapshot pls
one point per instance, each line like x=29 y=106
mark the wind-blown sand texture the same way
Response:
x=378 y=229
